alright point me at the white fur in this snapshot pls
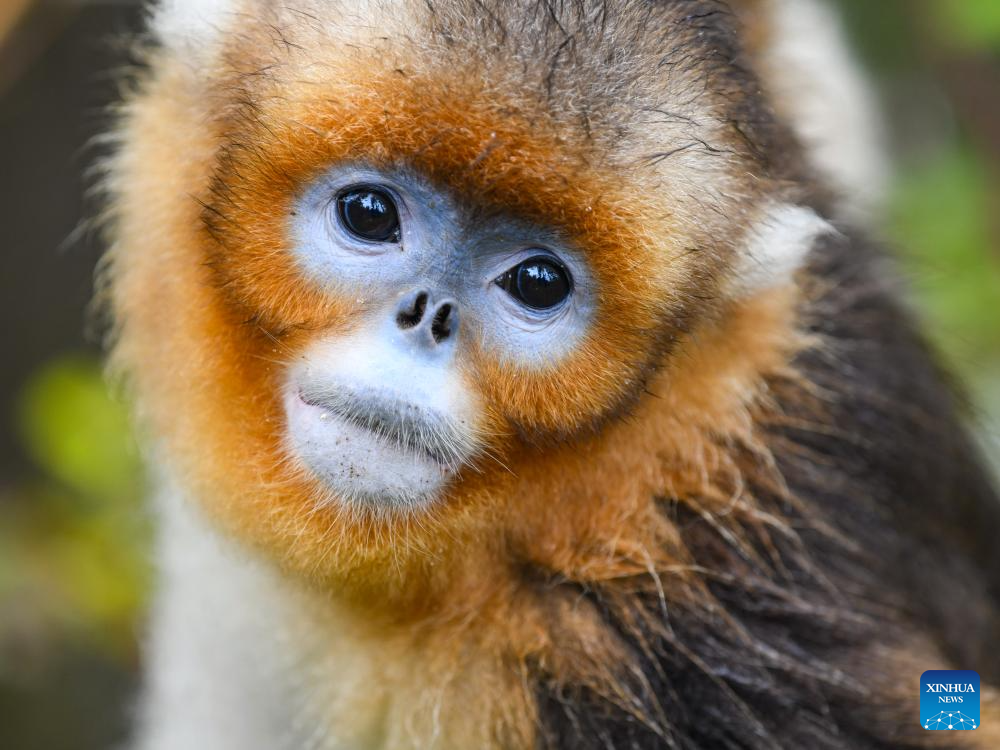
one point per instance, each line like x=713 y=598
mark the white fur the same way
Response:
x=243 y=658
x=214 y=676
x=820 y=89
x=192 y=25
x=777 y=246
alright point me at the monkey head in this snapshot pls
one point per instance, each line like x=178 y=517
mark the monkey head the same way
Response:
x=409 y=308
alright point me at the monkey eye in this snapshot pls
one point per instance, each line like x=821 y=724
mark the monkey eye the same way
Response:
x=540 y=282
x=369 y=214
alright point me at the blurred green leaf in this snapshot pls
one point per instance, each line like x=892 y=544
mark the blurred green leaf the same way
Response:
x=879 y=34
x=940 y=219
x=74 y=543
x=974 y=23
x=76 y=431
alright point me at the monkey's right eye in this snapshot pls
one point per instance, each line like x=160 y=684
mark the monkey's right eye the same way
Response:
x=369 y=214
x=540 y=282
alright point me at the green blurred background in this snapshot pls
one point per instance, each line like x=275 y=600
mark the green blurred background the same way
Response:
x=74 y=532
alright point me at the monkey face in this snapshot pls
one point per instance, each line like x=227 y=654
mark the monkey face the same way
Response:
x=461 y=317
x=388 y=411
x=402 y=310
x=443 y=294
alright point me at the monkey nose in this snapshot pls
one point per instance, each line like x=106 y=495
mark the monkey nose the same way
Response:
x=427 y=320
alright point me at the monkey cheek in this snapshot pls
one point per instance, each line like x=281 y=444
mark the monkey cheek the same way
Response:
x=359 y=468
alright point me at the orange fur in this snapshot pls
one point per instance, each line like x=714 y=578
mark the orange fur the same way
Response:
x=223 y=318
x=207 y=328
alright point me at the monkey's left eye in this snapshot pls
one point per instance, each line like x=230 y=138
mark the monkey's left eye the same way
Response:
x=540 y=283
x=369 y=214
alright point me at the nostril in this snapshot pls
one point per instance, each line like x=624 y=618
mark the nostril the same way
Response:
x=441 y=326
x=410 y=316
x=427 y=319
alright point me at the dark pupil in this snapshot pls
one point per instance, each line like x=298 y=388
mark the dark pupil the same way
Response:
x=537 y=282
x=370 y=215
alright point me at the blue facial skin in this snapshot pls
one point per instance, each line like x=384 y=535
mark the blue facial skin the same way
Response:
x=444 y=250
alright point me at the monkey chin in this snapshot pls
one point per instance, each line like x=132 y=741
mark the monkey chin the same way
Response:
x=365 y=464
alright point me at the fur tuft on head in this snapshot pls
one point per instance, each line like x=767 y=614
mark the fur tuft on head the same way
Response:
x=190 y=25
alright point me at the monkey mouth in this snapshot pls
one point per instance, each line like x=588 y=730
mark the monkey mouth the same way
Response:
x=376 y=447
x=391 y=420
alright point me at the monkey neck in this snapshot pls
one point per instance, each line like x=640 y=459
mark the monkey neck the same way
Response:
x=243 y=656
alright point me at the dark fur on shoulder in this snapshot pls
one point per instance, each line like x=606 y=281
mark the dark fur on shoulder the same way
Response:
x=892 y=559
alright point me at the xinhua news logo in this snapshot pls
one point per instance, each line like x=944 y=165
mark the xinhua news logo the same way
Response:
x=949 y=699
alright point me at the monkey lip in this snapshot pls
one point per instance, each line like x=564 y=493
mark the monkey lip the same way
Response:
x=402 y=425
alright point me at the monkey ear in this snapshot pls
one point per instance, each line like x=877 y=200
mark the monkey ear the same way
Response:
x=776 y=246
x=192 y=26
